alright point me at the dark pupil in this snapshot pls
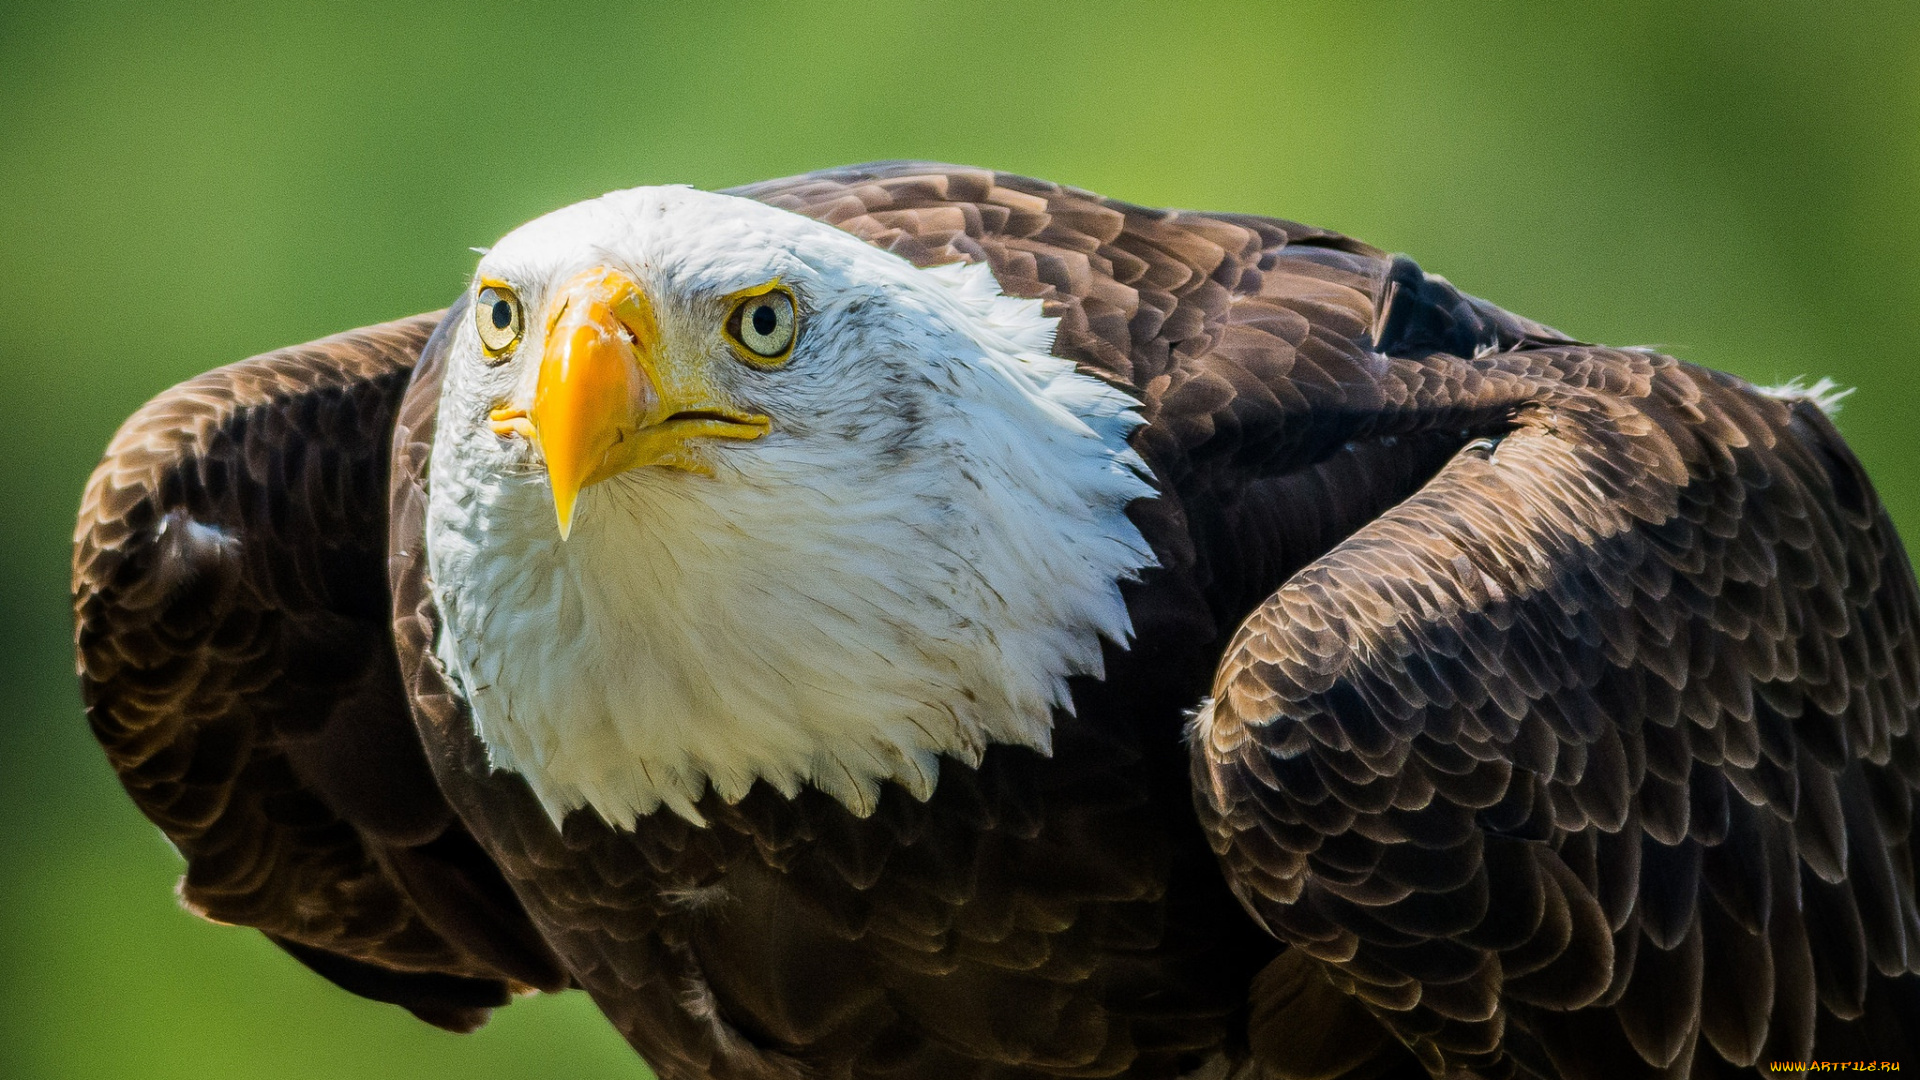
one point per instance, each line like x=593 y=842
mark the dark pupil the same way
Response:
x=503 y=315
x=764 y=320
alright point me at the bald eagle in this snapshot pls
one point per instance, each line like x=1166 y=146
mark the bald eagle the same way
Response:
x=918 y=621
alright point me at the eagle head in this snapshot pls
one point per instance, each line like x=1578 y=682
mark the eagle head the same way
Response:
x=724 y=495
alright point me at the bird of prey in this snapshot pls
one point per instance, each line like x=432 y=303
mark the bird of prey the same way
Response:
x=917 y=621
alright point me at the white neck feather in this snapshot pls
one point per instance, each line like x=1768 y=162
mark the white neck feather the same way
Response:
x=821 y=612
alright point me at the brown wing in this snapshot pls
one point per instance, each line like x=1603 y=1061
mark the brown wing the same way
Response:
x=1596 y=755
x=230 y=595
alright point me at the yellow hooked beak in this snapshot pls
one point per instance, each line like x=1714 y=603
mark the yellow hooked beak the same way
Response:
x=609 y=398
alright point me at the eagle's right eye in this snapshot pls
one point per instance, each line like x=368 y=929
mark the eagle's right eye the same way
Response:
x=496 y=314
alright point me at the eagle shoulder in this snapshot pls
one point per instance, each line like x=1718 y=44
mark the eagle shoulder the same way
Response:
x=1623 y=696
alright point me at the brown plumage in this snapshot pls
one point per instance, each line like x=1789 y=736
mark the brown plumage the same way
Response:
x=1558 y=708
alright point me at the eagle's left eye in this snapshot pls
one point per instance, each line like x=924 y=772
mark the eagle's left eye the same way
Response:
x=764 y=324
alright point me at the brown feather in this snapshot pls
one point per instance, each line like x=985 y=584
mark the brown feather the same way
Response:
x=230 y=595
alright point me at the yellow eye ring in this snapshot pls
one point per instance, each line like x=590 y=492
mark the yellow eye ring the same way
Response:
x=765 y=323
x=498 y=318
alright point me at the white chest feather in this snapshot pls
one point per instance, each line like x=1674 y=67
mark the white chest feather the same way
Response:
x=834 y=608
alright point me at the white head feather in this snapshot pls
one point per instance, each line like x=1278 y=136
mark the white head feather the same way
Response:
x=910 y=564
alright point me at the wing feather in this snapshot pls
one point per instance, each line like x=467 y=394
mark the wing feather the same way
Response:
x=1640 y=669
x=231 y=614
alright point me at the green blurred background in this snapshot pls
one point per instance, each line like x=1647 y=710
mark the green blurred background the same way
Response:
x=181 y=187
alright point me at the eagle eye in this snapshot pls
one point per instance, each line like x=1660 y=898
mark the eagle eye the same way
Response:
x=763 y=324
x=496 y=314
